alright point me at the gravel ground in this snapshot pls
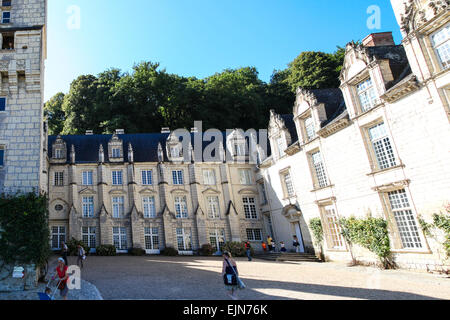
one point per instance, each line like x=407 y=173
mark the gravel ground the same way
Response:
x=198 y=278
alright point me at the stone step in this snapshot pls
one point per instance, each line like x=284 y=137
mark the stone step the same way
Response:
x=297 y=257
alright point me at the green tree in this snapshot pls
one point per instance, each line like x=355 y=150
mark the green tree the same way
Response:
x=55 y=114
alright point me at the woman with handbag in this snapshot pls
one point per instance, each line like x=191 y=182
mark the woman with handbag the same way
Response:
x=61 y=270
x=230 y=275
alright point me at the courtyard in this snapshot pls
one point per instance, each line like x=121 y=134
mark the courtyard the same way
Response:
x=199 y=278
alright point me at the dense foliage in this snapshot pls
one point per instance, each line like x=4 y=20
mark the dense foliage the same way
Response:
x=149 y=98
x=370 y=233
x=136 y=252
x=441 y=221
x=316 y=226
x=237 y=249
x=24 y=231
x=206 y=250
x=169 y=251
x=72 y=245
x=106 y=250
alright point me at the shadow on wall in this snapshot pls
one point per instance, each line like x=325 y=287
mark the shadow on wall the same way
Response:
x=288 y=215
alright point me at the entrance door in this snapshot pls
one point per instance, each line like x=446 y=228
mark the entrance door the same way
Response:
x=298 y=233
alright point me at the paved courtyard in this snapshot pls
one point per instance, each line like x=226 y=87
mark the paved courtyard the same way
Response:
x=199 y=278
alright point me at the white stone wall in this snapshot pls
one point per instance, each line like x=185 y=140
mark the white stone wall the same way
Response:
x=21 y=128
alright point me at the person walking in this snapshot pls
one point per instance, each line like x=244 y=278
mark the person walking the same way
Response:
x=65 y=250
x=229 y=275
x=270 y=243
x=296 y=244
x=61 y=271
x=81 y=256
x=248 y=250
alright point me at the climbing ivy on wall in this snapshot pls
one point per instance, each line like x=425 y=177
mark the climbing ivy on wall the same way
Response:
x=440 y=221
x=370 y=233
x=24 y=231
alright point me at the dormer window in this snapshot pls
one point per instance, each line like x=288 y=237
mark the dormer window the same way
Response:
x=6 y=3
x=175 y=152
x=310 y=131
x=58 y=154
x=239 y=149
x=116 y=152
x=366 y=94
x=441 y=44
x=115 y=149
x=281 y=145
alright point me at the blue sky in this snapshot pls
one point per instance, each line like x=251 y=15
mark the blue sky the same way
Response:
x=198 y=37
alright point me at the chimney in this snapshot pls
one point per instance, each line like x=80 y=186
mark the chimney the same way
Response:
x=379 y=39
x=89 y=132
x=165 y=130
x=120 y=131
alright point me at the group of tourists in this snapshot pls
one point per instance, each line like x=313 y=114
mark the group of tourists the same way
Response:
x=271 y=245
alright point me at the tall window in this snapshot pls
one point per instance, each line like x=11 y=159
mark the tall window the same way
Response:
x=147 y=178
x=2 y=103
x=88 y=235
x=404 y=217
x=281 y=145
x=177 y=177
x=88 y=207
x=441 y=43
x=116 y=153
x=254 y=234
x=245 y=176
x=319 y=170
x=213 y=207
x=2 y=156
x=120 y=238
x=184 y=239
x=59 y=178
x=175 y=151
x=58 y=153
x=209 y=177
x=239 y=149
x=382 y=147
x=151 y=238
x=181 y=207
x=366 y=93
x=117 y=178
x=149 y=207
x=309 y=128
x=288 y=186
x=6 y=17
x=249 y=208
x=118 y=207
x=58 y=236
x=217 y=239
x=87 y=178
x=335 y=237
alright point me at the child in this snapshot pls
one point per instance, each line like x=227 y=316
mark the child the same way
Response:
x=264 y=246
x=282 y=247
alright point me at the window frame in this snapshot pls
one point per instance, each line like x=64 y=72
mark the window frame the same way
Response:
x=147 y=177
x=122 y=238
x=151 y=239
x=90 y=236
x=58 y=179
x=181 y=207
x=443 y=64
x=334 y=238
x=375 y=161
x=61 y=236
x=213 y=213
x=3 y=17
x=5 y=99
x=320 y=179
x=209 y=179
x=248 y=205
x=373 y=101
x=149 y=207
x=87 y=206
x=252 y=232
x=87 y=178
x=118 y=207
x=2 y=156
x=116 y=177
x=178 y=178
x=245 y=179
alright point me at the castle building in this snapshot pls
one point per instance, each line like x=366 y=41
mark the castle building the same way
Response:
x=22 y=132
x=149 y=191
x=379 y=146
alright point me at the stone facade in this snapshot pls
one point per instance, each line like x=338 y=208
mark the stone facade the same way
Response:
x=384 y=154
x=22 y=132
x=148 y=200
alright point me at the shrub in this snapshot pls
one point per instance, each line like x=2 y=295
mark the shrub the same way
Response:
x=73 y=243
x=370 y=233
x=316 y=226
x=206 y=250
x=440 y=221
x=136 y=252
x=24 y=231
x=169 y=251
x=106 y=250
x=237 y=249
